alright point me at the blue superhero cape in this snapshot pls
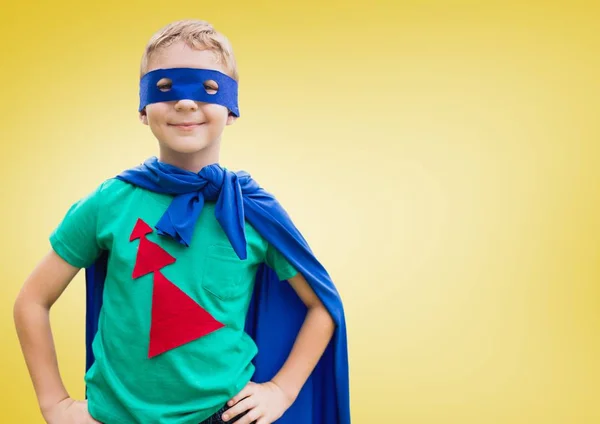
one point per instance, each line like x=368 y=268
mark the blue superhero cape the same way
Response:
x=276 y=313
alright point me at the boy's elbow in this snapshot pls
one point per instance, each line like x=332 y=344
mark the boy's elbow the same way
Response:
x=46 y=283
x=20 y=308
x=325 y=318
x=20 y=303
x=24 y=303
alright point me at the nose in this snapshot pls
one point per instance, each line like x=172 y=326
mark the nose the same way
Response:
x=185 y=105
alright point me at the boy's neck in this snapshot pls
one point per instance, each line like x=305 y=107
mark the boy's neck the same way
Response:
x=192 y=162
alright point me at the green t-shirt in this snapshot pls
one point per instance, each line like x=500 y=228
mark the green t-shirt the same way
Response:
x=187 y=384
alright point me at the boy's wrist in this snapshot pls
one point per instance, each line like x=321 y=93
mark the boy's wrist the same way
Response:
x=49 y=401
x=289 y=390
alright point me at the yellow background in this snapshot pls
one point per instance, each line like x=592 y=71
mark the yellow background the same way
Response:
x=441 y=158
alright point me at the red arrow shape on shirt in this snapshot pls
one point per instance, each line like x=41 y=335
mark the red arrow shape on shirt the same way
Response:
x=150 y=258
x=176 y=318
x=140 y=230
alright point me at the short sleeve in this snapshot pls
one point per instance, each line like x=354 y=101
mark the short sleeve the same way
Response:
x=275 y=259
x=75 y=238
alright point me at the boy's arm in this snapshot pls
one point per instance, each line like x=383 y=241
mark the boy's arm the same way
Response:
x=313 y=338
x=32 y=320
x=263 y=403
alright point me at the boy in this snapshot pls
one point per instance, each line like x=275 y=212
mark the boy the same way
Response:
x=188 y=314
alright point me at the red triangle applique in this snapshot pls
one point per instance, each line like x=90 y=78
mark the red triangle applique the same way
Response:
x=150 y=257
x=176 y=318
x=140 y=230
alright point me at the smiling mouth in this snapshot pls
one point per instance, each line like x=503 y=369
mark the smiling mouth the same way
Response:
x=187 y=125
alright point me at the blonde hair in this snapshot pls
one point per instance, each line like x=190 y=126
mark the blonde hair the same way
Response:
x=196 y=34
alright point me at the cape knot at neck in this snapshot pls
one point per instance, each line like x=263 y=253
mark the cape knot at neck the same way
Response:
x=214 y=176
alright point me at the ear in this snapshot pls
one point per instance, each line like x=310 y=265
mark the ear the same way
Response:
x=143 y=117
x=231 y=119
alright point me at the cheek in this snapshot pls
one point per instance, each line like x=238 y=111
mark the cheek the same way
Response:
x=156 y=113
x=215 y=113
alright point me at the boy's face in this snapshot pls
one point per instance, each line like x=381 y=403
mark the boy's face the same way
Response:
x=167 y=119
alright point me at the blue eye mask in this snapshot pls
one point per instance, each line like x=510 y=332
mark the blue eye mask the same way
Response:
x=202 y=85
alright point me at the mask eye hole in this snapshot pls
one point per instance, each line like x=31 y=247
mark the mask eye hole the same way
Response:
x=165 y=84
x=211 y=86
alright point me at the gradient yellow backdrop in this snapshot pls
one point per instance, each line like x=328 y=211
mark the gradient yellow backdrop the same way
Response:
x=441 y=158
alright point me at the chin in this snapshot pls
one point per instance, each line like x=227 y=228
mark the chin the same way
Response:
x=182 y=146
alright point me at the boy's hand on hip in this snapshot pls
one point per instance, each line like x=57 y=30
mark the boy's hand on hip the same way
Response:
x=264 y=402
x=69 y=411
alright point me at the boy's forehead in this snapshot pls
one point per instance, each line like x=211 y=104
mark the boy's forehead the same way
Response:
x=180 y=55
